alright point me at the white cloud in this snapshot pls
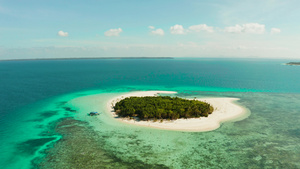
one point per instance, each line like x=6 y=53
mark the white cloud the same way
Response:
x=252 y=28
x=151 y=27
x=177 y=29
x=234 y=29
x=275 y=31
x=158 y=32
x=201 y=27
x=113 y=32
x=62 y=33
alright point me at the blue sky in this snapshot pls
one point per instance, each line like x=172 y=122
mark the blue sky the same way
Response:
x=134 y=28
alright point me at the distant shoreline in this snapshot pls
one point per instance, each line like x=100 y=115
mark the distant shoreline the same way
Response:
x=293 y=63
x=89 y=58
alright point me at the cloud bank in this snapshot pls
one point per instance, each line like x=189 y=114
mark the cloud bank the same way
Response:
x=251 y=28
x=201 y=27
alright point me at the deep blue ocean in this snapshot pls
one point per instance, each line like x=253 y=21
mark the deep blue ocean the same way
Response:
x=268 y=88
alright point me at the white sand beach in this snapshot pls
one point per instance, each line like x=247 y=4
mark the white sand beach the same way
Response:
x=225 y=110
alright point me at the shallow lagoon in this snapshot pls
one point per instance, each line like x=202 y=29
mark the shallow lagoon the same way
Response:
x=51 y=132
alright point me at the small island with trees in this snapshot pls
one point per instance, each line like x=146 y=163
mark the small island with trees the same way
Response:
x=161 y=107
x=293 y=63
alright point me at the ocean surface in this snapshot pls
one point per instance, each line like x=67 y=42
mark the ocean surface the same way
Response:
x=40 y=127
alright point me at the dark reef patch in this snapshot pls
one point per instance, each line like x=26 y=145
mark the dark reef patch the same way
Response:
x=43 y=115
x=60 y=104
x=294 y=133
x=82 y=147
x=32 y=145
x=68 y=109
x=47 y=114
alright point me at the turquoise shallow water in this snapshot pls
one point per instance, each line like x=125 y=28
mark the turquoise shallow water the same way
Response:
x=41 y=129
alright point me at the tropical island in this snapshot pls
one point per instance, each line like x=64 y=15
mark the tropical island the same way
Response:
x=162 y=107
x=224 y=109
x=293 y=63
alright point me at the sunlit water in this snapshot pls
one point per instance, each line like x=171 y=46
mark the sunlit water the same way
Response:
x=41 y=127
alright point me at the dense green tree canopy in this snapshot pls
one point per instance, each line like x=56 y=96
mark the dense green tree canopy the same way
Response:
x=161 y=107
